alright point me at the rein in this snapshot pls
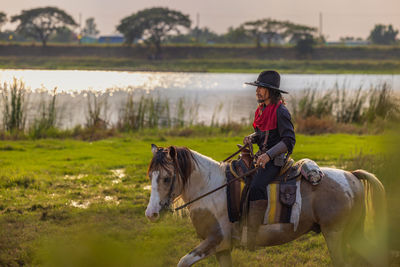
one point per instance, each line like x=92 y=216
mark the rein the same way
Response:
x=237 y=152
x=218 y=188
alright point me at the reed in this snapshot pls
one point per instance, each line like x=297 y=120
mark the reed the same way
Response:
x=180 y=113
x=347 y=107
x=382 y=104
x=96 y=105
x=46 y=121
x=147 y=112
x=14 y=106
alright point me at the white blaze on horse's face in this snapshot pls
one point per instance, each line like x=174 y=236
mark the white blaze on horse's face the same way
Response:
x=154 y=207
x=161 y=182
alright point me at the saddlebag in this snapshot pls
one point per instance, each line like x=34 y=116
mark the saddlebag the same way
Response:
x=287 y=193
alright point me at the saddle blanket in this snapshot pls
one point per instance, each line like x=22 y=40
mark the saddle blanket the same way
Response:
x=279 y=213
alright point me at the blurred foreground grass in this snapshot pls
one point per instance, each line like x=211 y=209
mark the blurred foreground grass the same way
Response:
x=75 y=203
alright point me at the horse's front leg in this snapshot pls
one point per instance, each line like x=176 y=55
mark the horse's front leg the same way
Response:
x=203 y=250
x=214 y=240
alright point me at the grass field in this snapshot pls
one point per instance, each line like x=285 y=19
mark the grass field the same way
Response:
x=74 y=203
x=204 y=65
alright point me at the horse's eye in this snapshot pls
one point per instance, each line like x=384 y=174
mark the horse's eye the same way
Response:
x=167 y=180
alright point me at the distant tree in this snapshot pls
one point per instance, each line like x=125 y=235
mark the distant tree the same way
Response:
x=274 y=29
x=41 y=23
x=3 y=19
x=297 y=32
x=305 y=45
x=347 y=38
x=90 y=28
x=153 y=25
x=204 y=35
x=8 y=35
x=255 y=29
x=63 y=35
x=196 y=35
x=350 y=39
x=268 y=29
x=180 y=39
x=382 y=34
x=237 y=35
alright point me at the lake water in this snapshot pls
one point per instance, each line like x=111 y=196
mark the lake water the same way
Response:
x=220 y=94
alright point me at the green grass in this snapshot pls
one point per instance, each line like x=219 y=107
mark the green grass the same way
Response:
x=40 y=181
x=204 y=65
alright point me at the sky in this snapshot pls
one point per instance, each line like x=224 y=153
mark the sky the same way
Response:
x=339 y=17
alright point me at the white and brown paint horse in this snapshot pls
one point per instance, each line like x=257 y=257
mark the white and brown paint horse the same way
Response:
x=336 y=206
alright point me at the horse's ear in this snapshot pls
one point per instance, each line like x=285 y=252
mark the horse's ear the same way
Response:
x=154 y=149
x=172 y=152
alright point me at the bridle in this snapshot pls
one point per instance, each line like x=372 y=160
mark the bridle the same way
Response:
x=171 y=196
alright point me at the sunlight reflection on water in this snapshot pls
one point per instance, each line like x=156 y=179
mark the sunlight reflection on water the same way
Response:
x=207 y=91
x=79 y=80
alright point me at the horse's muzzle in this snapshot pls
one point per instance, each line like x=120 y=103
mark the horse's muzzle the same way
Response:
x=152 y=213
x=153 y=216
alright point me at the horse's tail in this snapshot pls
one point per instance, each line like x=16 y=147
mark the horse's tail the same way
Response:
x=375 y=206
x=375 y=199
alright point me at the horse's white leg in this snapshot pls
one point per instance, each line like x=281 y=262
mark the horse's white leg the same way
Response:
x=209 y=229
x=224 y=258
x=203 y=250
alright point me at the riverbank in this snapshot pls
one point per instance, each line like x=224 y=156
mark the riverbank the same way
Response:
x=203 y=58
x=229 y=65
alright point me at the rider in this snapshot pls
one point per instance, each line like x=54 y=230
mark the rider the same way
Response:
x=274 y=134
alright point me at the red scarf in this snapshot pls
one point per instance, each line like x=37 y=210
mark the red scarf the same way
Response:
x=267 y=119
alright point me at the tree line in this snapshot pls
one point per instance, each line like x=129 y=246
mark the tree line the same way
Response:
x=154 y=26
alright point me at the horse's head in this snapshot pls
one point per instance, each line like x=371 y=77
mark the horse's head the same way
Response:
x=168 y=172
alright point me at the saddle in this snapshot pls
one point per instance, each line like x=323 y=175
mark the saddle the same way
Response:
x=285 y=185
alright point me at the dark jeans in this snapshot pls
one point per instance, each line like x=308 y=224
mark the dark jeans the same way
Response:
x=258 y=186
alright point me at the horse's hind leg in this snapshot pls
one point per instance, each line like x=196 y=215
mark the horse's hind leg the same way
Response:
x=224 y=258
x=336 y=245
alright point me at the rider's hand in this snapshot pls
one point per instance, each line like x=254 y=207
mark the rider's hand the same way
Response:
x=262 y=160
x=247 y=140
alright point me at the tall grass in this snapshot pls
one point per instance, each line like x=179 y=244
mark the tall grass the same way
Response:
x=47 y=118
x=147 y=112
x=14 y=106
x=96 y=105
x=346 y=106
x=383 y=104
x=155 y=112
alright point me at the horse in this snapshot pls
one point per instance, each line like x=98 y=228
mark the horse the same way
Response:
x=336 y=207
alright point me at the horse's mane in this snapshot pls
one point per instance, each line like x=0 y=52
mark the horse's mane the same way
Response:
x=182 y=159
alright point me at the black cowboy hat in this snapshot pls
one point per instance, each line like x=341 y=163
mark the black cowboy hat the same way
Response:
x=268 y=79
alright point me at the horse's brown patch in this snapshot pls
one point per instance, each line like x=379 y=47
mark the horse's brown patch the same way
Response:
x=207 y=227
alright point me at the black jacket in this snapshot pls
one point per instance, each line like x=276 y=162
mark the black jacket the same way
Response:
x=284 y=132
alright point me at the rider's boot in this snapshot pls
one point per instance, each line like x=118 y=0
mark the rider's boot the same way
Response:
x=254 y=220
